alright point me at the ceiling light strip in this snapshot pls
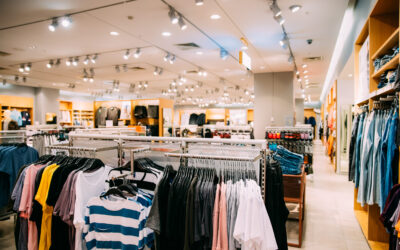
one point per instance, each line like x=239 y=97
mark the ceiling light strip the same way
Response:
x=69 y=15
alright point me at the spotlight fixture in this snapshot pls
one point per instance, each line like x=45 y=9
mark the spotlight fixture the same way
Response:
x=247 y=92
x=305 y=76
x=295 y=8
x=192 y=89
x=54 y=23
x=173 y=83
x=117 y=69
x=284 y=41
x=186 y=89
x=279 y=19
x=160 y=71
x=299 y=79
x=180 y=83
x=182 y=79
x=290 y=59
x=50 y=64
x=169 y=90
x=91 y=79
x=166 y=57
x=155 y=71
x=297 y=72
x=175 y=90
x=58 y=62
x=304 y=66
x=75 y=62
x=94 y=58
x=24 y=79
x=172 y=59
x=21 y=68
x=125 y=68
x=86 y=61
x=66 y=21
x=28 y=67
x=140 y=85
x=137 y=53
x=16 y=78
x=199 y=2
x=172 y=16
x=305 y=71
x=226 y=93
x=182 y=23
x=91 y=72
x=275 y=9
x=127 y=54
x=68 y=62
x=145 y=84
x=85 y=78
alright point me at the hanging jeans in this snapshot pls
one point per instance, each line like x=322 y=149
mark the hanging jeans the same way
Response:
x=358 y=150
x=352 y=147
x=391 y=148
x=366 y=158
x=383 y=159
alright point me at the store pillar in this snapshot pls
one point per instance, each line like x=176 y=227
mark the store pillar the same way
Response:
x=274 y=101
x=46 y=101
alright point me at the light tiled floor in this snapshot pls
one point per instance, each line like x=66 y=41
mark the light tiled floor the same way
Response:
x=329 y=218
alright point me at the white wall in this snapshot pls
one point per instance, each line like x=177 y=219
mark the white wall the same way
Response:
x=274 y=98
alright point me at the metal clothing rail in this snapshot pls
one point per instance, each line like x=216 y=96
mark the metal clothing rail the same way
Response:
x=289 y=128
x=184 y=142
x=74 y=148
x=261 y=143
x=213 y=157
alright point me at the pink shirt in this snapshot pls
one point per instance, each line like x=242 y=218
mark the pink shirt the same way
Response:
x=222 y=241
x=215 y=218
x=25 y=207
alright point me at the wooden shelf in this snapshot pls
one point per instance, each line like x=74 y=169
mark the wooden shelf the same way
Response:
x=389 y=65
x=392 y=41
x=388 y=89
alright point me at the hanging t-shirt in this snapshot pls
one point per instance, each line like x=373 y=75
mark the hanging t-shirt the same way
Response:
x=88 y=185
x=116 y=223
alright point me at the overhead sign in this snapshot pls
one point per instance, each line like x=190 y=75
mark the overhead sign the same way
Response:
x=244 y=59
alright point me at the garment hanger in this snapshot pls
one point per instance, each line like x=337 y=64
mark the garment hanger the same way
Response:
x=114 y=191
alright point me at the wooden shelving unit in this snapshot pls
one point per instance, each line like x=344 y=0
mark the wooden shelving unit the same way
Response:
x=65 y=106
x=18 y=103
x=382 y=29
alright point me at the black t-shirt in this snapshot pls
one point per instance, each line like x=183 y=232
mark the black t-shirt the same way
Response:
x=36 y=207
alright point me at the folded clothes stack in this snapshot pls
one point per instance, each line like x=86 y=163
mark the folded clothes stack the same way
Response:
x=380 y=61
x=290 y=162
x=387 y=78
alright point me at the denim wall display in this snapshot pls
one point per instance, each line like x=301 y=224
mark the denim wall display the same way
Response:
x=373 y=155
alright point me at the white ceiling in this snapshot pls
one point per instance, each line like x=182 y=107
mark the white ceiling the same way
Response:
x=89 y=34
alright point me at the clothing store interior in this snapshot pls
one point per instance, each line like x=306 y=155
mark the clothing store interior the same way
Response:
x=199 y=124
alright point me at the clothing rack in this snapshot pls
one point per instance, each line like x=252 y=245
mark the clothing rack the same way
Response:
x=87 y=149
x=213 y=157
x=13 y=134
x=290 y=128
x=184 y=145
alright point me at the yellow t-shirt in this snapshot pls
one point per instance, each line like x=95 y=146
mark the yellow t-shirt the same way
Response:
x=41 y=197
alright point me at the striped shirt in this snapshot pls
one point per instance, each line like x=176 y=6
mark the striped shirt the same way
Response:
x=114 y=224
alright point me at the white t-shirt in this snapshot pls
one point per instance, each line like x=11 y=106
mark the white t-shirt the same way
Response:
x=88 y=185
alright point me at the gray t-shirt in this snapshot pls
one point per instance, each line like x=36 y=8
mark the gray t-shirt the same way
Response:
x=17 y=192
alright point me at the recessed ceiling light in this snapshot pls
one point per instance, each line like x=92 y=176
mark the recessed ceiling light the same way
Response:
x=114 y=33
x=305 y=71
x=295 y=8
x=215 y=17
x=166 y=33
x=199 y=53
x=304 y=66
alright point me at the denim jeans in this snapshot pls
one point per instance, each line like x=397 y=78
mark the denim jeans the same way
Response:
x=383 y=159
x=290 y=162
x=391 y=148
x=358 y=150
x=366 y=157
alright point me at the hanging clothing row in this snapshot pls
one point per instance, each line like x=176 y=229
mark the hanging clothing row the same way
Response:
x=390 y=217
x=373 y=163
x=51 y=196
x=205 y=208
x=13 y=156
x=43 y=139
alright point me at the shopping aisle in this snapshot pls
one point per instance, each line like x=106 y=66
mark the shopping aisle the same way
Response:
x=329 y=221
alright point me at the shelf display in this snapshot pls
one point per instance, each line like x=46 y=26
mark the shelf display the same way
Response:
x=380 y=37
x=19 y=109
